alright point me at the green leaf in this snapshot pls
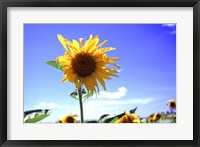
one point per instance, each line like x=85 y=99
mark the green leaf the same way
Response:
x=109 y=118
x=74 y=94
x=143 y=120
x=133 y=110
x=37 y=118
x=114 y=120
x=55 y=64
x=86 y=96
x=102 y=117
x=34 y=116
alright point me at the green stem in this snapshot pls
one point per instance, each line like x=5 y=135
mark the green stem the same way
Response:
x=81 y=104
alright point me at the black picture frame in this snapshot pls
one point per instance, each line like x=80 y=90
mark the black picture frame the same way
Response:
x=4 y=4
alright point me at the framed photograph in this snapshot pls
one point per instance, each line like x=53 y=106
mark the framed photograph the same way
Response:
x=109 y=73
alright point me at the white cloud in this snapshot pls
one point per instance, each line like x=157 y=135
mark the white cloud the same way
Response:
x=172 y=26
x=173 y=32
x=112 y=95
x=93 y=108
x=136 y=101
x=169 y=25
x=46 y=105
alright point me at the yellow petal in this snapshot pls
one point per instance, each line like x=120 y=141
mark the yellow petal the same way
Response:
x=94 y=81
x=112 y=74
x=107 y=49
x=111 y=70
x=81 y=42
x=111 y=60
x=117 y=65
x=78 y=84
x=92 y=44
x=87 y=83
x=86 y=45
x=101 y=81
x=63 y=59
x=71 y=46
x=101 y=44
x=102 y=73
x=76 y=45
x=62 y=41
x=65 y=78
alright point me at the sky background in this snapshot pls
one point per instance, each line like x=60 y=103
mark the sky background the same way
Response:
x=147 y=79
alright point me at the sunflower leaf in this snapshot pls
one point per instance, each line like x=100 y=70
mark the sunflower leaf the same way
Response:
x=55 y=64
x=36 y=115
x=86 y=96
x=74 y=95
x=37 y=118
x=114 y=120
x=102 y=117
x=143 y=120
x=133 y=110
x=110 y=118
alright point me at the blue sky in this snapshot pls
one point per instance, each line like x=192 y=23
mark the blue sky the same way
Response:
x=147 y=79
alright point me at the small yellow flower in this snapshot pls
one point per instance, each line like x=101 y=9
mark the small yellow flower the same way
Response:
x=175 y=116
x=151 y=115
x=134 y=118
x=86 y=62
x=172 y=104
x=150 y=120
x=157 y=116
x=68 y=119
x=129 y=118
x=124 y=119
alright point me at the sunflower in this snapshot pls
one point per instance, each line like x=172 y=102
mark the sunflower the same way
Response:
x=129 y=118
x=124 y=119
x=135 y=118
x=150 y=120
x=86 y=62
x=172 y=104
x=68 y=119
x=157 y=116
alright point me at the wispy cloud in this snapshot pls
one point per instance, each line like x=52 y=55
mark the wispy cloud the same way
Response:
x=137 y=101
x=93 y=108
x=173 y=32
x=169 y=25
x=172 y=26
x=112 y=95
x=46 y=105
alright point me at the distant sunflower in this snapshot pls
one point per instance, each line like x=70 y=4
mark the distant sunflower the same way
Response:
x=86 y=62
x=157 y=116
x=68 y=119
x=135 y=118
x=150 y=120
x=124 y=119
x=172 y=104
x=129 y=118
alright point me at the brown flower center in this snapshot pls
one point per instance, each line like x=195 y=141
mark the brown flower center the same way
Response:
x=83 y=64
x=158 y=116
x=172 y=105
x=70 y=119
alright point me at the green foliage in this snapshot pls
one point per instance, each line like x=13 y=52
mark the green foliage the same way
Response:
x=33 y=116
x=85 y=95
x=55 y=64
x=143 y=120
x=74 y=94
x=106 y=118
x=133 y=110
x=37 y=118
x=114 y=120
